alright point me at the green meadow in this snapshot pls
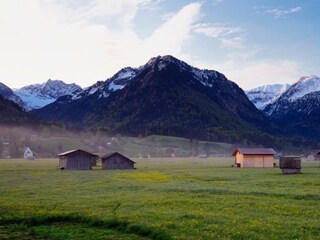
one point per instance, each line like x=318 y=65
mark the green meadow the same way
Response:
x=164 y=198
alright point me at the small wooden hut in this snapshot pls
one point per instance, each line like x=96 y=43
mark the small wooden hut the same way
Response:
x=254 y=157
x=116 y=160
x=77 y=160
x=290 y=165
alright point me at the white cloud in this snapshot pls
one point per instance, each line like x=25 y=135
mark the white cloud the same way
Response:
x=217 y=2
x=170 y=36
x=263 y=72
x=82 y=43
x=235 y=42
x=281 y=13
x=216 y=30
x=228 y=36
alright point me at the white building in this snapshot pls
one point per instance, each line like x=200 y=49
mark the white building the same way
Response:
x=28 y=154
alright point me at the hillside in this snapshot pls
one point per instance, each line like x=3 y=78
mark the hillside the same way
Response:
x=7 y=93
x=13 y=114
x=165 y=96
x=297 y=110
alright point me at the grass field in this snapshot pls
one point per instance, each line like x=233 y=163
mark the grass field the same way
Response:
x=161 y=199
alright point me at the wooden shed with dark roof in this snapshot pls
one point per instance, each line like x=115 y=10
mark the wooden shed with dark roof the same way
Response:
x=254 y=157
x=77 y=160
x=116 y=160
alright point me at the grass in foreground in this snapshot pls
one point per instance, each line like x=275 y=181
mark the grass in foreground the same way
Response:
x=162 y=199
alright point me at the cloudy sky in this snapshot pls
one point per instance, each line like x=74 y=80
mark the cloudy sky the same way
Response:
x=253 y=42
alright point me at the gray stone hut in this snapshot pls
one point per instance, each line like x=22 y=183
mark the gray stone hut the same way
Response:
x=77 y=160
x=116 y=160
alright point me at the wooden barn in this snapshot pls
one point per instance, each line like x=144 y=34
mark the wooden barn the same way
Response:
x=314 y=155
x=116 y=161
x=77 y=160
x=254 y=157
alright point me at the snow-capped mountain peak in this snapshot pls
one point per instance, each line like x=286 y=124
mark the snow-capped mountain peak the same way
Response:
x=267 y=94
x=204 y=76
x=39 y=95
x=305 y=85
x=104 y=88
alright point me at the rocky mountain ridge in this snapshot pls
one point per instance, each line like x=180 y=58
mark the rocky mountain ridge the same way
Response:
x=39 y=95
x=164 y=96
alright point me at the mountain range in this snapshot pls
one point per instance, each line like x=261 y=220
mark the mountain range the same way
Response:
x=164 y=96
x=267 y=94
x=168 y=96
x=297 y=110
x=39 y=95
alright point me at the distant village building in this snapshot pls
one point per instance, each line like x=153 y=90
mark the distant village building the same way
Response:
x=77 y=160
x=290 y=165
x=116 y=161
x=314 y=155
x=254 y=157
x=28 y=154
x=170 y=152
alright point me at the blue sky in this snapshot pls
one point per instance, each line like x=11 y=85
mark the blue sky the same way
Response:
x=253 y=42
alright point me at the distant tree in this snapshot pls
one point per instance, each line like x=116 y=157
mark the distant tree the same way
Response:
x=1 y=148
x=194 y=147
x=206 y=149
x=59 y=148
x=118 y=137
x=14 y=150
x=27 y=140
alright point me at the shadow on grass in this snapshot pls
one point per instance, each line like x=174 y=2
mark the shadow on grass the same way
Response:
x=215 y=191
x=113 y=224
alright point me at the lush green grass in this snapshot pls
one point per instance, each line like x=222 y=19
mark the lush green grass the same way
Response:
x=161 y=199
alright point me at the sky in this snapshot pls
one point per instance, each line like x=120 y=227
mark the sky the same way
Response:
x=252 y=42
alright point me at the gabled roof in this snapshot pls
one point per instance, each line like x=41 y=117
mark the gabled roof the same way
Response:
x=255 y=151
x=113 y=153
x=76 y=150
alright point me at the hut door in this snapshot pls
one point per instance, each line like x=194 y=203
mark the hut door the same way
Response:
x=258 y=162
x=248 y=162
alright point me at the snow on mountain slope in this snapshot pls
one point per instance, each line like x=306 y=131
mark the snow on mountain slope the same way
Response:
x=204 y=76
x=7 y=93
x=303 y=87
x=267 y=94
x=103 y=88
x=165 y=95
x=38 y=95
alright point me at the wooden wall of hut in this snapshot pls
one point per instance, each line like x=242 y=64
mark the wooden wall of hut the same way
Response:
x=290 y=165
x=117 y=161
x=77 y=161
